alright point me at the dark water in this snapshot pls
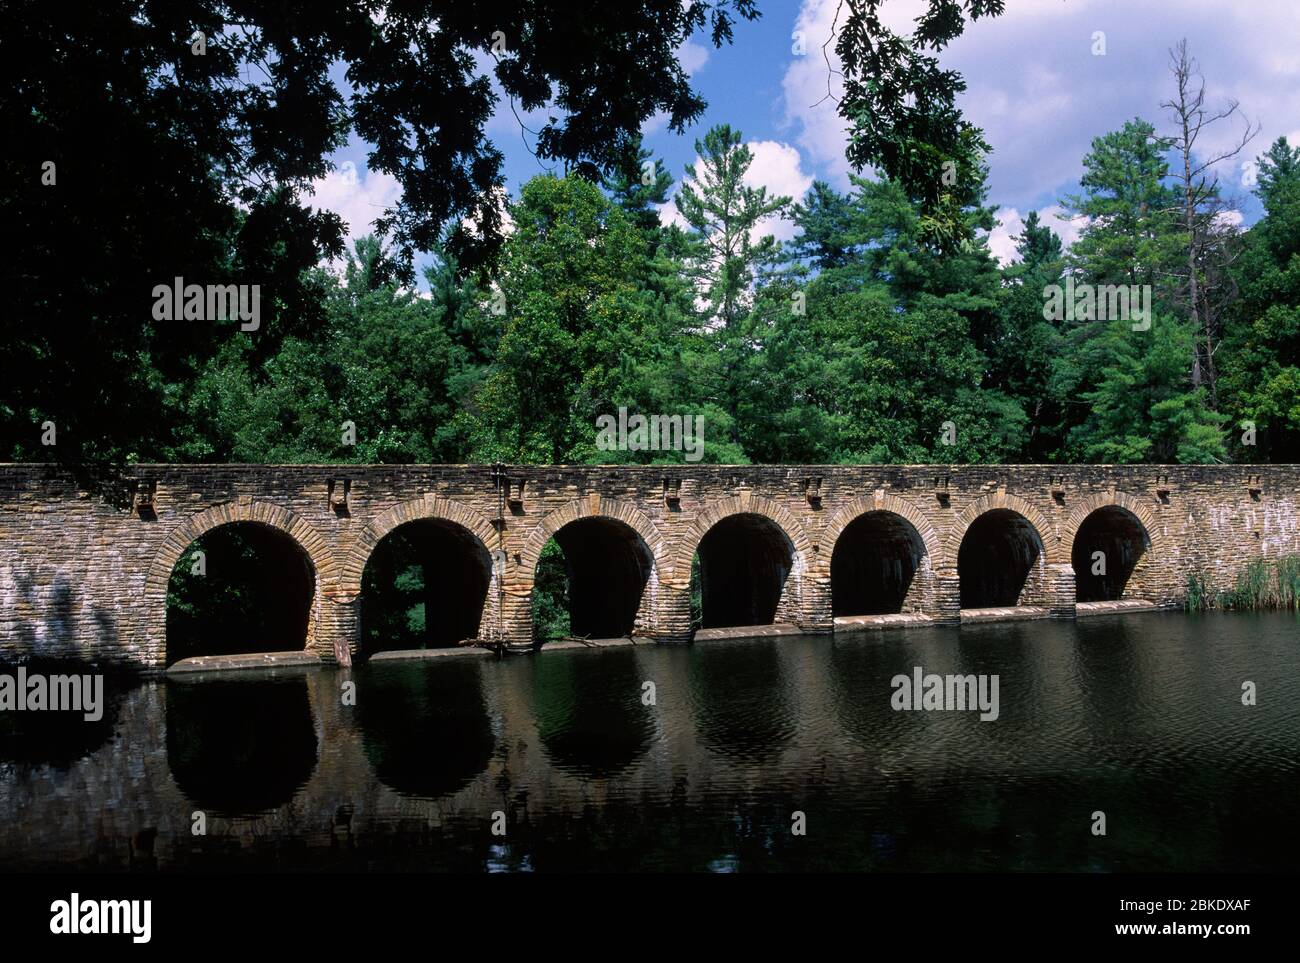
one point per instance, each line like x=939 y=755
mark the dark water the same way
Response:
x=1137 y=716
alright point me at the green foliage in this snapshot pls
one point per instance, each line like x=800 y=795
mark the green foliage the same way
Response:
x=722 y=212
x=882 y=330
x=858 y=341
x=393 y=595
x=1141 y=409
x=578 y=333
x=1199 y=596
x=1261 y=367
x=551 y=594
x=1265 y=584
x=902 y=112
x=252 y=594
x=173 y=165
x=1132 y=208
x=386 y=360
x=1127 y=391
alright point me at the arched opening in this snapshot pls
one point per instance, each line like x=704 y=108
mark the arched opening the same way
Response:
x=238 y=588
x=1107 y=547
x=996 y=558
x=874 y=565
x=424 y=587
x=590 y=580
x=744 y=561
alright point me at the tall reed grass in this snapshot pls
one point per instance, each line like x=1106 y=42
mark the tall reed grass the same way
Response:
x=1265 y=584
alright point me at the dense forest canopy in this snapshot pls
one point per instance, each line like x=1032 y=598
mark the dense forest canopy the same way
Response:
x=884 y=331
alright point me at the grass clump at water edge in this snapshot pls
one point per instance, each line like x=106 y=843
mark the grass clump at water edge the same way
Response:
x=1264 y=585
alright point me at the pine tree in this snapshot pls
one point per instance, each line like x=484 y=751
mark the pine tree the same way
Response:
x=723 y=212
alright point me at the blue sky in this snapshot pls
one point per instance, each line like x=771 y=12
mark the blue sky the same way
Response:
x=1034 y=84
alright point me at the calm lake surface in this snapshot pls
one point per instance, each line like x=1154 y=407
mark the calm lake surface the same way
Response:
x=1137 y=716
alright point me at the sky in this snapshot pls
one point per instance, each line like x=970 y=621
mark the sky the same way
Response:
x=1036 y=84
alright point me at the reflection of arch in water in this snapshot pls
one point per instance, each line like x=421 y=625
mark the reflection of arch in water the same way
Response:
x=240 y=747
x=589 y=714
x=741 y=700
x=424 y=725
x=860 y=691
x=1113 y=674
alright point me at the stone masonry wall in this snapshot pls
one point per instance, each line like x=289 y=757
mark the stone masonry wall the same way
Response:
x=80 y=578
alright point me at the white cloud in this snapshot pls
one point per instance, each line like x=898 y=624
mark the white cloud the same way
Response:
x=1067 y=228
x=692 y=56
x=811 y=90
x=1040 y=95
x=669 y=214
x=358 y=200
x=1228 y=220
x=655 y=123
x=1001 y=239
x=778 y=167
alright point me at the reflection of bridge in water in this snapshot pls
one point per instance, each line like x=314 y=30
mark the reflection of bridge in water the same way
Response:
x=806 y=548
x=740 y=734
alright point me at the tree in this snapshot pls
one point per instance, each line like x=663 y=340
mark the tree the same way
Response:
x=1261 y=370
x=1037 y=245
x=1141 y=408
x=893 y=342
x=578 y=333
x=1129 y=395
x=828 y=235
x=1209 y=243
x=857 y=379
x=1130 y=210
x=638 y=184
x=184 y=143
x=902 y=111
x=1023 y=353
x=723 y=213
x=385 y=361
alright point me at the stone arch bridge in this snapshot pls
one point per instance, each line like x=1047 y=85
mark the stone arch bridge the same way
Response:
x=809 y=548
